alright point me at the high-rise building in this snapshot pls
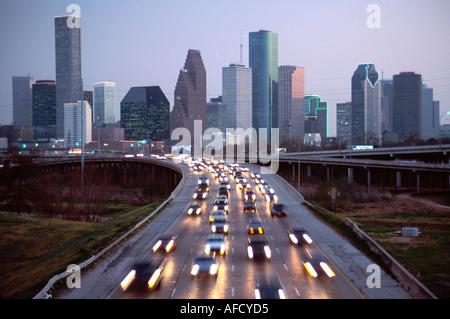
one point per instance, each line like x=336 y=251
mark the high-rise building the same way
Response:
x=190 y=96
x=77 y=124
x=216 y=114
x=407 y=105
x=145 y=114
x=291 y=99
x=22 y=100
x=429 y=114
x=263 y=60
x=237 y=95
x=316 y=115
x=366 y=105
x=343 y=122
x=44 y=109
x=69 y=84
x=104 y=103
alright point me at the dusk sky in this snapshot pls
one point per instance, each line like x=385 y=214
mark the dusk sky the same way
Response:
x=145 y=42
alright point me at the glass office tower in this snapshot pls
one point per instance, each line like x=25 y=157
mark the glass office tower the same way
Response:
x=44 y=109
x=263 y=60
x=22 y=100
x=366 y=105
x=104 y=103
x=69 y=85
x=145 y=114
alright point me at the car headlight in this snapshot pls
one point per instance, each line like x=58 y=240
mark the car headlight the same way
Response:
x=307 y=238
x=225 y=228
x=281 y=294
x=250 y=252
x=204 y=195
x=215 y=207
x=267 y=198
x=170 y=245
x=310 y=269
x=154 y=278
x=194 y=270
x=156 y=246
x=195 y=195
x=226 y=207
x=257 y=294
x=223 y=247
x=207 y=249
x=128 y=279
x=327 y=269
x=267 y=251
x=293 y=238
x=190 y=211
x=213 y=269
x=275 y=198
x=213 y=228
x=198 y=211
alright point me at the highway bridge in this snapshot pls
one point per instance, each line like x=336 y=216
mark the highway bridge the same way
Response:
x=237 y=274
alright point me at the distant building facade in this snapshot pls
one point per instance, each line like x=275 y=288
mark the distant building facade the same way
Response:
x=343 y=122
x=366 y=105
x=69 y=83
x=104 y=103
x=44 y=109
x=190 y=97
x=77 y=124
x=263 y=60
x=22 y=100
x=145 y=114
x=291 y=99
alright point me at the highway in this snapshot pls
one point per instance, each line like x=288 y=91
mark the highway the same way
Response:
x=237 y=274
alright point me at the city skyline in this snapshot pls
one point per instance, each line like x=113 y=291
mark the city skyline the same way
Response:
x=327 y=39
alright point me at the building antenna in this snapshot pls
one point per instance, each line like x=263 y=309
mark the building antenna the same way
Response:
x=241 y=45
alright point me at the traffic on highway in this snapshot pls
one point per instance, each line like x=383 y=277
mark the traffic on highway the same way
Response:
x=235 y=239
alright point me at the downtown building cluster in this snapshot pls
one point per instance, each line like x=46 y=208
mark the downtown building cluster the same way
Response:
x=265 y=95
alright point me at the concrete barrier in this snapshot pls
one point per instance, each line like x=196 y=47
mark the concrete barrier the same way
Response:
x=414 y=287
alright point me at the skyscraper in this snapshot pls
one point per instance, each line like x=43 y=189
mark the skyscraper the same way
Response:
x=407 y=101
x=69 y=84
x=77 y=124
x=145 y=114
x=366 y=105
x=316 y=115
x=291 y=99
x=237 y=95
x=429 y=114
x=44 y=109
x=343 y=122
x=22 y=100
x=263 y=60
x=190 y=96
x=104 y=103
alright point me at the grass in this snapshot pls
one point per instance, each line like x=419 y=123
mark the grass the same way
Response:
x=32 y=250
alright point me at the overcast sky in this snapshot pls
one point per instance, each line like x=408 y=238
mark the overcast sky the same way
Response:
x=145 y=42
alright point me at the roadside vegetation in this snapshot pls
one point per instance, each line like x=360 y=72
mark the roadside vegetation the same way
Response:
x=382 y=214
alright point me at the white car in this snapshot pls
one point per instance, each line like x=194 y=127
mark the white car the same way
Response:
x=215 y=242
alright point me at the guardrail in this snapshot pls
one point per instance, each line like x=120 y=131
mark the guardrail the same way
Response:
x=43 y=294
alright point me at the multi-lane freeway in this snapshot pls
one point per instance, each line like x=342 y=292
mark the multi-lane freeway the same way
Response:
x=237 y=275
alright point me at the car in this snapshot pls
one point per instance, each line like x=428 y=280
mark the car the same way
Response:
x=299 y=236
x=244 y=185
x=223 y=191
x=223 y=177
x=277 y=209
x=144 y=275
x=249 y=195
x=221 y=203
x=215 y=243
x=255 y=226
x=216 y=214
x=258 y=248
x=201 y=192
x=241 y=180
x=315 y=263
x=249 y=206
x=271 y=197
x=226 y=184
x=165 y=243
x=265 y=188
x=270 y=289
x=203 y=180
x=194 y=210
x=205 y=265
x=219 y=225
